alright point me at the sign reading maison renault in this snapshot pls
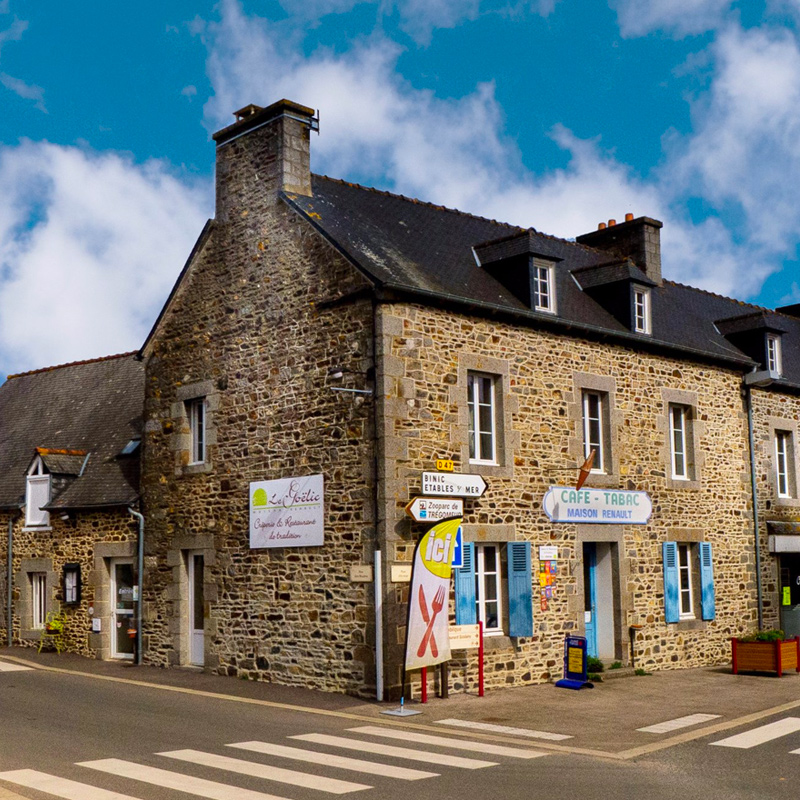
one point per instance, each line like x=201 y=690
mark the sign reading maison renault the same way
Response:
x=288 y=512
x=609 y=506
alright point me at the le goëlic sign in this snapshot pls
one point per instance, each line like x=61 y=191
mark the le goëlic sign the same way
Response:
x=288 y=512
x=609 y=506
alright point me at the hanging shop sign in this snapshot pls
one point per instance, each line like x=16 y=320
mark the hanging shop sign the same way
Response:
x=288 y=512
x=427 y=635
x=609 y=506
x=434 y=509
x=454 y=483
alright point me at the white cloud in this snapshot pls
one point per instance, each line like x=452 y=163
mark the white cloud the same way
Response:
x=13 y=33
x=89 y=247
x=678 y=17
x=25 y=90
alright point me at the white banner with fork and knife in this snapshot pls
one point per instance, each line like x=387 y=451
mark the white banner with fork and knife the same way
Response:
x=428 y=640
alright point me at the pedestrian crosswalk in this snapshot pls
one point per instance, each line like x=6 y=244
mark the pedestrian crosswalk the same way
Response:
x=8 y=666
x=761 y=734
x=180 y=768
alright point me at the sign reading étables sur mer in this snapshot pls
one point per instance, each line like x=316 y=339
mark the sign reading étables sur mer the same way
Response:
x=288 y=512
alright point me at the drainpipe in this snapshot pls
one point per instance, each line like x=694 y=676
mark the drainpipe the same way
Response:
x=377 y=560
x=140 y=570
x=9 y=580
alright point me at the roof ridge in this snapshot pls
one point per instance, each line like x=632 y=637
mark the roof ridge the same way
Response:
x=753 y=306
x=71 y=364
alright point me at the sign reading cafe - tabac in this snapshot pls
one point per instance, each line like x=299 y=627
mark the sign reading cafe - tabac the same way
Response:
x=609 y=506
x=288 y=512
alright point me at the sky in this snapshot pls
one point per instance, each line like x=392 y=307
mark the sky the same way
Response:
x=552 y=114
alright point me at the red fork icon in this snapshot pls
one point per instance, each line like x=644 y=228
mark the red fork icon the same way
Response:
x=436 y=606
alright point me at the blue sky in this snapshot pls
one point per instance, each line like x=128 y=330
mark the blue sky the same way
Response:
x=555 y=114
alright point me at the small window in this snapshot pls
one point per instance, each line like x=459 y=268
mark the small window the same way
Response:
x=72 y=584
x=688 y=582
x=680 y=441
x=488 y=582
x=774 y=353
x=544 y=287
x=685 y=590
x=38 y=599
x=784 y=461
x=482 y=408
x=595 y=408
x=641 y=311
x=37 y=495
x=196 y=411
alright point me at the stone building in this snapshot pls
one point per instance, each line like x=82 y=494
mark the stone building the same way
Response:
x=69 y=471
x=320 y=328
x=326 y=349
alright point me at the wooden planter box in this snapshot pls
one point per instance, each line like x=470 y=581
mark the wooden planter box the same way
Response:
x=777 y=657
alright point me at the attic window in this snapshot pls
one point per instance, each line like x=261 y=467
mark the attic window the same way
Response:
x=544 y=286
x=774 y=353
x=641 y=311
x=37 y=495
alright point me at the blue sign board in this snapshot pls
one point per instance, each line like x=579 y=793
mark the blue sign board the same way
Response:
x=575 y=674
x=458 y=550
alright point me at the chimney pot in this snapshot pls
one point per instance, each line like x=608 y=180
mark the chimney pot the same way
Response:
x=601 y=226
x=629 y=217
x=612 y=223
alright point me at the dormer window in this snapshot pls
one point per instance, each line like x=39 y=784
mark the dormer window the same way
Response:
x=544 y=287
x=641 y=311
x=37 y=495
x=774 y=353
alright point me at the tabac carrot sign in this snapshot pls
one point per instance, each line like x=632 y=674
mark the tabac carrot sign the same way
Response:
x=428 y=640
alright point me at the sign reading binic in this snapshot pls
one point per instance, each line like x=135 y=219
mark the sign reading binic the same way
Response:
x=605 y=506
x=457 y=484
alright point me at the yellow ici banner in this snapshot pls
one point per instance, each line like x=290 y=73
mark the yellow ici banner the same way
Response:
x=428 y=640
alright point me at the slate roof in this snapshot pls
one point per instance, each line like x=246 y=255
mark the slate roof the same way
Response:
x=407 y=246
x=92 y=408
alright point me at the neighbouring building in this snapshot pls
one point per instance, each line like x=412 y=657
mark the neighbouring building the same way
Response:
x=326 y=344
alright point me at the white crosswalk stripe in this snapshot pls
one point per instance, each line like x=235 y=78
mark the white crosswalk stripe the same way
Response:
x=506 y=729
x=364 y=746
x=59 y=787
x=456 y=744
x=762 y=734
x=678 y=723
x=341 y=762
x=7 y=666
x=270 y=773
x=175 y=780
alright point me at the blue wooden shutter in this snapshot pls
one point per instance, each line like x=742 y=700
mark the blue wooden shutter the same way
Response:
x=671 y=582
x=708 y=605
x=520 y=608
x=466 y=612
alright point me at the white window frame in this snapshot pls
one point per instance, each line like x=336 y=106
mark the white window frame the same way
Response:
x=783 y=455
x=35 y=517
x=641 y=310
x=774 y=360
x=38 y=599
x=481 y=597
x=679 y=443
x=595 y=439
x=685 y=587
x=476 y=380
x=197 y=411
x=544 y=287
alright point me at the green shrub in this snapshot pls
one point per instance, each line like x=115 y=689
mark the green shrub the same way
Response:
x=773 y=635
x=640 y=671
x=594 y=664
x=616 y=665
x=594 y=677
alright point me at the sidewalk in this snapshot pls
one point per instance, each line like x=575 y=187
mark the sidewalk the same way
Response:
x=602 y=721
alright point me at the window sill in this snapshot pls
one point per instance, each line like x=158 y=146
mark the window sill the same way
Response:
x=37 y=528
x=31 y=635
x=685 y=484
x=787 y=502
x=498 y=641
x=197 y=469
x=490 y=470
x=690 y=625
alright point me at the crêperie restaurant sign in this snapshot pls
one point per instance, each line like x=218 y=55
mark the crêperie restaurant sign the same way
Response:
x=288 y=512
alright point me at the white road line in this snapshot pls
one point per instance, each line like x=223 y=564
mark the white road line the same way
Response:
x=60 y=787
x=679 y=722
x=762 y=734
x=485 y=726
x=304 y=779
x=342 y=762
x=174 y=780
x=6 y=666
x=397 y=752
x=441 y=741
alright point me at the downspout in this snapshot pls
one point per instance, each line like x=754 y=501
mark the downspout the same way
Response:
x=378 y=559
x=9 y=580
x=757 y=544
x=140 y=572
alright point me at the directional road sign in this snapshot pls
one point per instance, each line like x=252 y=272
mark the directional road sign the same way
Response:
x=433 y=509
x=455 y=483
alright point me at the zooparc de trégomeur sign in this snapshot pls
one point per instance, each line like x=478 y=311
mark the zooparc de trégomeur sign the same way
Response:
x=608 y=506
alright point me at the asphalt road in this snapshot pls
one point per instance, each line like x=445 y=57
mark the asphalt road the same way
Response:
x=53 y=723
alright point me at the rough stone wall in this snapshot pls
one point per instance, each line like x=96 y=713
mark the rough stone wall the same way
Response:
x=426 y=354
x=257 y=323
x=81 y=540
x=773 y=410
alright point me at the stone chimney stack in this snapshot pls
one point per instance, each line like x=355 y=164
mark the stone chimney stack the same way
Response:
x=266 y=151
x=638 y=239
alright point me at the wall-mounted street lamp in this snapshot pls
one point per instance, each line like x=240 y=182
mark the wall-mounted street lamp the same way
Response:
x=337 y=373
